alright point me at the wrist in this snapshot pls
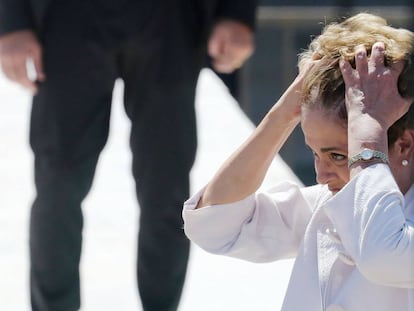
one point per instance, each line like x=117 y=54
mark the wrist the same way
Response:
x=366 y=129
x=367 y=155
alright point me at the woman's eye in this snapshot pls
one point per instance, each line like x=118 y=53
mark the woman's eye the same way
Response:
x=338 y=157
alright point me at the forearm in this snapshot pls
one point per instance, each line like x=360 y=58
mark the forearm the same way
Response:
x=373 y=102
x=365 y=132
x=243 y=173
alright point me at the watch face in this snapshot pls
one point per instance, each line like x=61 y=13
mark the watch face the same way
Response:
x=366 y=154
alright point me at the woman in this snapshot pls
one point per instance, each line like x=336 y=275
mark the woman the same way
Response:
x=352 y=234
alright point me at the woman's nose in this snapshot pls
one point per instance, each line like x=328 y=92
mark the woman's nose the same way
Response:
x=323 y=172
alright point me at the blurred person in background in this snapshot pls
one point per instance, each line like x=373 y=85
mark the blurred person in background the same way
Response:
x=77 y=49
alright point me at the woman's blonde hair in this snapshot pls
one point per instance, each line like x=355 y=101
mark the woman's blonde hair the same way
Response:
x=324 y=86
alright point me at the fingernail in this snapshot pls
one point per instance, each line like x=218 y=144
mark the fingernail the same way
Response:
x=380 y=46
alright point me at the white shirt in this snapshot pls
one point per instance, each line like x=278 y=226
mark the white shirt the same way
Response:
x=354 y=251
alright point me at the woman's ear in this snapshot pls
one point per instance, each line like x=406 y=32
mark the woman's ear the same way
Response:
x=404 y=145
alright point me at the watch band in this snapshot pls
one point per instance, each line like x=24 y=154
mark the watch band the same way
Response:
x=367 y=155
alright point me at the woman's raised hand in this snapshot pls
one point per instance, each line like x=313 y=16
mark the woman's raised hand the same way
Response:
x=371 y=89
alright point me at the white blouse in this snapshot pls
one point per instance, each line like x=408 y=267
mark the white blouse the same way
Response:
x=353 y=251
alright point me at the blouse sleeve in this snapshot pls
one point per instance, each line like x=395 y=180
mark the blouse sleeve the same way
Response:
x=261 y=228
x=371 y=217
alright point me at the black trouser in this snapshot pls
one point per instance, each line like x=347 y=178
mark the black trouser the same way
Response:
x=69 y=128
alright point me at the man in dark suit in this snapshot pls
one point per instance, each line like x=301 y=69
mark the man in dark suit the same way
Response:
x=78 y=49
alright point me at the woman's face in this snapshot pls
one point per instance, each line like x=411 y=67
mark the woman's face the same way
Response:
x=327 y=137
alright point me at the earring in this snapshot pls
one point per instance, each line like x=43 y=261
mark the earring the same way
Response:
x=404 y=162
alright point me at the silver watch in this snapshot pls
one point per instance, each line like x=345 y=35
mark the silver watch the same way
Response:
x=367 y=155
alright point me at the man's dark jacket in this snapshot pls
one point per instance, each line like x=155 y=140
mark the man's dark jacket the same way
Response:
x=30 y=14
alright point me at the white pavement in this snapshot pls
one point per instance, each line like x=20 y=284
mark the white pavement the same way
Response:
x=214 y=283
